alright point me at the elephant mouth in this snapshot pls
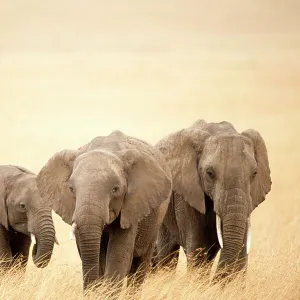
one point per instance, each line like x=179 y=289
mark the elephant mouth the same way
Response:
x=209 y=203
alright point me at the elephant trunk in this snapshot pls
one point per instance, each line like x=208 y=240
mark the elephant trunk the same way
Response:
x=44 y=233
x=233 y=230
x=89 y=233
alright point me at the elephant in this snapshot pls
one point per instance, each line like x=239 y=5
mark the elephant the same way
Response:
x=24 y=217
x=219 y=177
x=114 y=192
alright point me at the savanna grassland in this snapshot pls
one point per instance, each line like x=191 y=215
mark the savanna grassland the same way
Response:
x=72 y=70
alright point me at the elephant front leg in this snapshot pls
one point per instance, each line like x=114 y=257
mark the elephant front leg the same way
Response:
x=201 y=239
x=167 y=250
x=5 y=251
x=119 y=253
x=196 y=248
x=103 y=251
x=20 y=245
x=140 y=266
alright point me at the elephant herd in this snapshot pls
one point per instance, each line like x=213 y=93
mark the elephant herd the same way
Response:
x=132 y=205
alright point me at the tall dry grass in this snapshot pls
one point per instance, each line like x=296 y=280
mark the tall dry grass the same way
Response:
x=269 y=276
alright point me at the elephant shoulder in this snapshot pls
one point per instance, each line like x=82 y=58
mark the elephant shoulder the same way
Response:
x=22 y=169
x=12 y=170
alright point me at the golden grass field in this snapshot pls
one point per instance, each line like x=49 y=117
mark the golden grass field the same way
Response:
x=72 y=70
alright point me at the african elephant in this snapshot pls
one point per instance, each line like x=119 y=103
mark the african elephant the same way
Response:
x=23 y=215
x=219 y=177
x=115 y=192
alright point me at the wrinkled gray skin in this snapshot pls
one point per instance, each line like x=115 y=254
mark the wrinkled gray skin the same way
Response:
x=22 y=212
x=215 y=170
x=116 y=189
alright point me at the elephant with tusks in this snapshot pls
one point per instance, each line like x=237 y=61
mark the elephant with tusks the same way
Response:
x=219 y=177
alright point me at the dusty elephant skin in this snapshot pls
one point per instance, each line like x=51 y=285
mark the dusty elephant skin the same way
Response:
x=114 y=192
x=219 y=177
x=23 y=216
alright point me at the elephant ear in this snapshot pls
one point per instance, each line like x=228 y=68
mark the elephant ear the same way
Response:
x=148 y=186
x=52 y=182
x=3 y=207
x=182 y=152
x=261 y=185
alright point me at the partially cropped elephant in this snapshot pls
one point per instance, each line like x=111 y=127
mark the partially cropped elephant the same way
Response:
x=23 y=216
x=115 y=192
x=219 y=177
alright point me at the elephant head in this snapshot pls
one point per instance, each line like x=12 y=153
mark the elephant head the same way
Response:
x=211 y=161
x=23 y=213
x=96 y=186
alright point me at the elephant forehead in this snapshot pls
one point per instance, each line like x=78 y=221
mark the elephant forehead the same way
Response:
x=25 y=194
x=226 y=144
x=97 y=167
x=224 y=152
x=97 y=159
x=25 y=183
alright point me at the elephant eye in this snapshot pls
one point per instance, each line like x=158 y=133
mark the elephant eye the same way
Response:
x=22 y=206
x=210 y=174
x=115 y=190
x=71 y=189
x=254 y=174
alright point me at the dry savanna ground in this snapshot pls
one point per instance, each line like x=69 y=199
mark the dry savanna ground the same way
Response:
x=72 y=70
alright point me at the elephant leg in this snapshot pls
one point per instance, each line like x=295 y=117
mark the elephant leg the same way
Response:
x=5 y=250
x=196 y=247
x=201 y=256
x=140 y=266
x=201 y=239
x=119 y=253
x=103 y=252
x=20 y=245
x=136 y=262
x=167 y=249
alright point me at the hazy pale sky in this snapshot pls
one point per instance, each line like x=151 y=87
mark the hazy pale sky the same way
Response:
x=72 y=70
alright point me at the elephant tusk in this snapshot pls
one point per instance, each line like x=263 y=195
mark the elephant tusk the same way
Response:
x=248 y=236
x=33 y=239
x=219 y=231
x=56 y=240
x=72 y=231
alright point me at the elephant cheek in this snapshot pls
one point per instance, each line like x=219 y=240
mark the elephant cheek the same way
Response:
x=112 y=216
x=115 y=209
